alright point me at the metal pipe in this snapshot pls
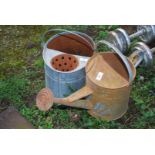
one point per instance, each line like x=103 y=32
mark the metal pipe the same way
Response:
x=153 y=50
x=139 y=61
x=140 y=57
x=137 y=34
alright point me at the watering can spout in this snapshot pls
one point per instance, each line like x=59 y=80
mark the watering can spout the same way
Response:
x=83 y=92
x=45 y=99
x=74 y=99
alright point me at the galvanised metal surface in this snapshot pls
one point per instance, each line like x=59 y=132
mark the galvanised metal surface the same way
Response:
x=120 y=38
x=142 y=55
x=62 y=83
x=148 y=32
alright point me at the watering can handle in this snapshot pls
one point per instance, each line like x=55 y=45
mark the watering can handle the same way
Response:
x=63 y=30
x=123 y=58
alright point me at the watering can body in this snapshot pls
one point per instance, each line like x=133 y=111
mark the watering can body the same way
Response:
x=109 y=104
x=111 y=92
x=107 y=87
x=64 y=83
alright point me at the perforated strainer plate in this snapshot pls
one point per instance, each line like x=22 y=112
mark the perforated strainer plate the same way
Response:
x=64 y=62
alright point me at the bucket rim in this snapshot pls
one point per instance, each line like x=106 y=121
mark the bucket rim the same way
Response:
x=92 y=43
x=53 y=69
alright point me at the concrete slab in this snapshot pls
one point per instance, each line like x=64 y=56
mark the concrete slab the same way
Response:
x=12 y=119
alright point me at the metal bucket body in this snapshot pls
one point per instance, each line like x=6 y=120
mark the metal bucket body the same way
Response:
x=109 y=98
x=63 y=83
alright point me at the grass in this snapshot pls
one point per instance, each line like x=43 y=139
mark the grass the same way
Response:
x=22 y=76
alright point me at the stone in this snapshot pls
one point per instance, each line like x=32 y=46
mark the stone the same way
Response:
x=12 y=119
x=30 y=45
x=141 y=78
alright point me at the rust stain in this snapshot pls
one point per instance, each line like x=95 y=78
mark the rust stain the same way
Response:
x=71 y=44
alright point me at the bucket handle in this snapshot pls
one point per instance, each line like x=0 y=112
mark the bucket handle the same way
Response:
x=43 y=42
x=123 y=58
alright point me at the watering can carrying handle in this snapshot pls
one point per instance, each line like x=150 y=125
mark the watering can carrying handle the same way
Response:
x=43 y=42
x=123 y=58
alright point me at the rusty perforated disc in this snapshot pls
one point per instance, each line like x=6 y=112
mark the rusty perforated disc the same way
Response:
x=44 y=99
x=64 y=62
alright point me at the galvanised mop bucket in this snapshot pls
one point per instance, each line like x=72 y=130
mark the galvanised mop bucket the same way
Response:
x=65 y=56
x=109 y=77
